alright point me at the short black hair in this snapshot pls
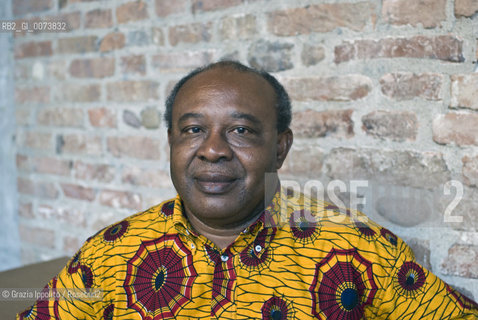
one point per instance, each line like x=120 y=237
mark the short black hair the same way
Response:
x=283 y=106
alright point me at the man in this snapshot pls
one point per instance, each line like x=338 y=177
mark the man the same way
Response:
x=233 y=244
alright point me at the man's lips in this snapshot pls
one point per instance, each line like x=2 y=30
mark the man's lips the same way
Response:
x=214 y=183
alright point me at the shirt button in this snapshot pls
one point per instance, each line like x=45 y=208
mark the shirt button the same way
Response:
x=224 y=258
x=258 y=248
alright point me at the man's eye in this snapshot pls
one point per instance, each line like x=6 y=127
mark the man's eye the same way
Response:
x=241 y=130
x=193 y=130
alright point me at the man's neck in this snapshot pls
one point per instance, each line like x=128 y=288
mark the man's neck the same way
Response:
x=224 y=235
x=221 y=236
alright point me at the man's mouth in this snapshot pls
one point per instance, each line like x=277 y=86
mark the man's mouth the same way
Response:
x=214 y=183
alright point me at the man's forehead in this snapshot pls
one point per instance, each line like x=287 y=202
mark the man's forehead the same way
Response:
x=225 y=92
x=224 y=75
x=234 y=115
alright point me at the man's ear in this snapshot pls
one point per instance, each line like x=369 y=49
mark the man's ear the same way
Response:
x=169 y=136
x=284 y=142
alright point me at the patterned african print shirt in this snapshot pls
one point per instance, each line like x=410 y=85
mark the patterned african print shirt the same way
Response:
x=302 y=259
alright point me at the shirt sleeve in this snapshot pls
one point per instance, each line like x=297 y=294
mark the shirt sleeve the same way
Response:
x=69 y=295
x=413 y=292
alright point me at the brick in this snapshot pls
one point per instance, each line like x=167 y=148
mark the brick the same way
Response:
x=78 y=93
x=135 y=64
x=131 y=91
x=92 y=68
x=99 y=18
x=150 y=118
x=56 y=69
x=137 y=38
x=38 y=140
x=211 y=5
x=72 y=216
x=407 y=85
x=405 y=168
x=134 y=147
x=37 y=188
x=428 y=13
x=393 y=125
x=21 y=7
x=37 y=236
x=131 y=119
x=94 y=172
x=421 y=249
x=78 y=192
x=470 y=170
x=463 y=91
x=166 y=7
x=157 y=36
x=181 y=61
x=311 y=55
x=72 y=19
x=336 y=88
x=62 y=117
x=50 y=165
x=32 y=95
x=238 y=27
x=462 y=261
x=25 y=210
x=112 y=41
x=445 y=47
x=77 y=44
x=303 y=160
x=270 y=56
x=102 y=117
x=79 y=144
x=190 y=33
x=319 y=124
x=320 y=18
x=458 y=128
x=23 y=163
x=146 y=177
x=33 y=49
x=465 y=8
x=120 y=199
x=132 y=11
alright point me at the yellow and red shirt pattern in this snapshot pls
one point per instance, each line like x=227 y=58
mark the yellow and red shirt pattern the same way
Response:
x=302 y=259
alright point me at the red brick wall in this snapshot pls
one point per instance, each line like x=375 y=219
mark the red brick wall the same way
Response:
x=382 y=90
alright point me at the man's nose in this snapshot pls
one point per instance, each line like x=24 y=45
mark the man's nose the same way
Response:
x=215 y=148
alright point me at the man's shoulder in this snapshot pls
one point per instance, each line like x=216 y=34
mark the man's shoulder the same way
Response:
x=143 y=224
x=341 y=227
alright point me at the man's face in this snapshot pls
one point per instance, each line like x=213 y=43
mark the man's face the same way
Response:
x=223 y=140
